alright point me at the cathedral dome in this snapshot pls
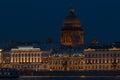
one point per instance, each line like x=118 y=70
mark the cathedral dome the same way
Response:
x=72 y=20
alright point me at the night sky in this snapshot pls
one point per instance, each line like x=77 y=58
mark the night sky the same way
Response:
x=28 y=20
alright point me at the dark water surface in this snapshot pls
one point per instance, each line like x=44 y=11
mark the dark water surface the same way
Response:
x=63 y=78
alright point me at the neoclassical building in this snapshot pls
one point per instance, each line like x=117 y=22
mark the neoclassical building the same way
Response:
x=66 y=62
x=67 y=56
x=71 y=32
x=5 y=59
x=1 y=56
x=29 y=58
x=102 y=58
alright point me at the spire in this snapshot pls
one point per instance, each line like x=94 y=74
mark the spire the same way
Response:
x=71 y=10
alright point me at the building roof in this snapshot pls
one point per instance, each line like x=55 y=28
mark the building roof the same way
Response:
x=72 y=20
x=61 y=49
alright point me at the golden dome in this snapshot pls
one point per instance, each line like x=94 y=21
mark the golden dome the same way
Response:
x=72 y=20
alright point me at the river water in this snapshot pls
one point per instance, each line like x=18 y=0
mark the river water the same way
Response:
x=63 y=78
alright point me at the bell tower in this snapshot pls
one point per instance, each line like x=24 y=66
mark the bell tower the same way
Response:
x=71 y=33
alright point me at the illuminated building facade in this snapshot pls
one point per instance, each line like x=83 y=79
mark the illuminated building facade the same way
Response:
x=66 y=62
x=65 y=57
x=5 y=59
x=71 y=32
x=29 y=58
x=1 y=56
x=102 y=59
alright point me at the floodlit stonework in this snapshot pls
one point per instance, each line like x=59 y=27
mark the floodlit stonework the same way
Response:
x=29 y=58
x=66 y=62
x=102 y=59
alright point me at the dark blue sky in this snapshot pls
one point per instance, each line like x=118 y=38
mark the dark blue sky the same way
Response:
x=39 y=19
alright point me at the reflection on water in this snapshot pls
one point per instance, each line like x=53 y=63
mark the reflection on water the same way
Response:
x=62 y=78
